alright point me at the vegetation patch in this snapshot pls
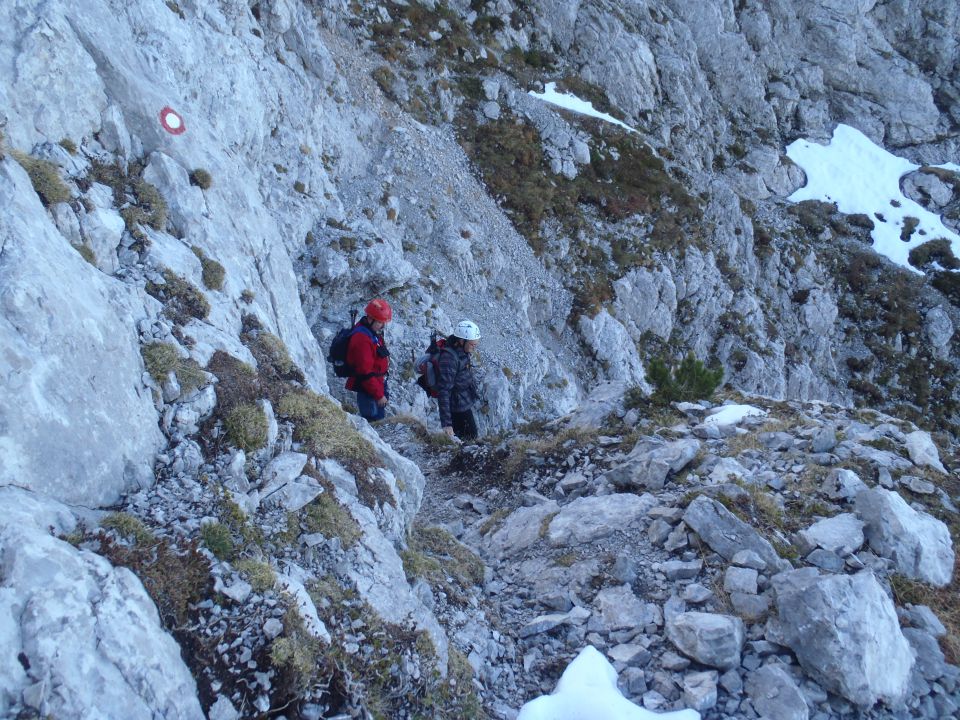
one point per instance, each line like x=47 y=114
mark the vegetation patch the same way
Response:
x=325 y=515
x=201 y=178
x=216 y=536
x=45 y=177
x=213 y=272
x=327 y=431
x=446 y=564
x=182 y=301
x=161 y=359
x=246 y=427
x=689 y=381
x=271 y=353
x=129 y=527
x=259 y=574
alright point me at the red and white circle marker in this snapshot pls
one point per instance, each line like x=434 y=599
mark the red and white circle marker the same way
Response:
x=172 y=122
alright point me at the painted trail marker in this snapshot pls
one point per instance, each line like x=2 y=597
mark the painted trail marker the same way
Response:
x=172 y=122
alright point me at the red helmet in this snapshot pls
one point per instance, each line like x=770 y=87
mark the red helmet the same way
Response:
x=379 y=310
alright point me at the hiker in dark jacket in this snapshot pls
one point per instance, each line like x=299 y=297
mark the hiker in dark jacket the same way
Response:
x=456 y=387
x=367 y=354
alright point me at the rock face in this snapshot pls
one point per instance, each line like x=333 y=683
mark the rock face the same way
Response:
x=77 y=423
x=918 y=543
x=844 y=631
x=67 y=609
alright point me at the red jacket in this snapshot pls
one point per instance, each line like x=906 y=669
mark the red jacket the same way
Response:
x=369 y=368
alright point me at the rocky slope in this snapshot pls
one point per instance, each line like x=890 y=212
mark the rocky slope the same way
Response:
x=194 y=196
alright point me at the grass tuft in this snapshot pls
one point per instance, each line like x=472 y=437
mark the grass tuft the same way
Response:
x=45 y=177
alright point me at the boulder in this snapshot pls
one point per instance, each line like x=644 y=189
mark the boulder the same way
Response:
x=923 y=452
x=725 y=533
x=620 y=609
x=710 y=639
x=649 y=469
x=520 y=530
x=843 y=630
x=842 y=484
x=836 y=534
x=775 y=695
x=591 y=518
x=918 y=543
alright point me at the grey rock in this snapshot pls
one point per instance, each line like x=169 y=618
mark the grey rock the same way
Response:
x=658 y=531
x=922 y=617
x=731 y=682
x=620 y=608
x=673 y=662
x=841 y=533
x=751 y=608
x=923 y=452
x=919 y=544
x=775 y=695
x=680 y=570
x=842 y=484
x=633 y=681
x=696 y=593
x=826 y=560
x=918 y=485
x=700 y=690
x=930 y=660
x=542 y=624
x=725 y=533
x=629 y=655
x=740 y=580
x=844 y=631
x=824 y=440
x=519 y=530
x=591 y=518
x=649 y=469
x=710 y=639
x=748 y=559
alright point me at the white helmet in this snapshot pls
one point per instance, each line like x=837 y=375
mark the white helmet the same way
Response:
x=467 y=330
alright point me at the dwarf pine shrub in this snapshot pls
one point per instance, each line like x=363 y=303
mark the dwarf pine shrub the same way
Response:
x=690 y=381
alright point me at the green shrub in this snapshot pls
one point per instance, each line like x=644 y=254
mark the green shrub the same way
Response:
x=181 y=299
x=201 y=178
x=45 y=177
x=128 y=527
x=218 y=540
x=327 y=516
x=246 y=427
x=213 y=272
x=690 y=381
x=260 y=574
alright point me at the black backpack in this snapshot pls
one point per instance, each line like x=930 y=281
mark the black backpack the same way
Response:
x=337 y=355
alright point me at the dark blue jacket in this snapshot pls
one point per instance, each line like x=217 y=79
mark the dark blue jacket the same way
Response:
x=456 y=387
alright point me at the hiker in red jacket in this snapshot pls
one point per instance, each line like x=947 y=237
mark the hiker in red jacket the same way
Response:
x=367 y=354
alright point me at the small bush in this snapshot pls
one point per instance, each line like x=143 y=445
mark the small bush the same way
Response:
x=218 y=540
x=246 y=427
x=45 y=177
x=201 y=178
x=690 y=381
x=128 y=527
x=181 y=299
x=260 y=574
x=327 y=516
x=160 y=359
x=213 y=272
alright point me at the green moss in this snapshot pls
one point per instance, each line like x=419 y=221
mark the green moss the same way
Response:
x=327 y=516
x=213 y=272
x=260 y=575
x=246 y=427
x=201 y=178
x=181 y=299
x=128 y=527
x=218 y=540
x=45 y=177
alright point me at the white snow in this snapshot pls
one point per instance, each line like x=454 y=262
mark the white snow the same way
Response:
x=587 y=690
x=861 y=177
x=551 y=95
x=732 y=414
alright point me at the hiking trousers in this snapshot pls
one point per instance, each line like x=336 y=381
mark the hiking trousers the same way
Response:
x=464 y=425
x=369 y=410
